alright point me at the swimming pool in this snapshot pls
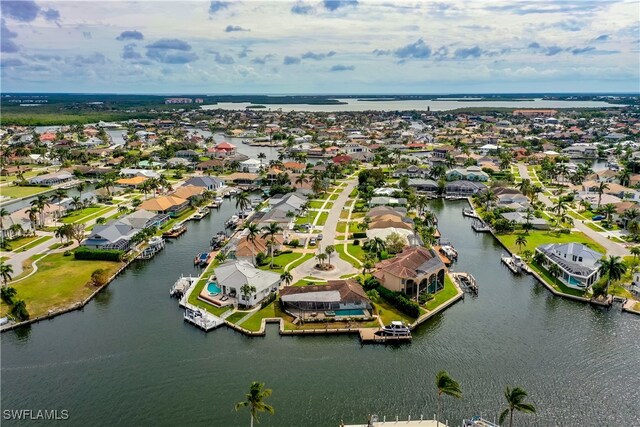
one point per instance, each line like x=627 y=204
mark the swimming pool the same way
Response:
x=349 y=312
x=212 y=288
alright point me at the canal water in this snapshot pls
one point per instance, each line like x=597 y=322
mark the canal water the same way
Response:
x=129 y=359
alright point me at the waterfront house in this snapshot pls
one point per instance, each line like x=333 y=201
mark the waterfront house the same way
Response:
x=411 y=171
x=130 y=172
x=336 y=298
x=288 y=202
x=520 y=218
x=250 y=165
x=207 y=182
x=170 y=205
x=134 y=182
x=423 y=185
x=142 y=219
x=472 y=173
x=464 y=188
x=115 y=235
x=233 y=275
x=385 y=200
x=224 y=149
x=242 y=178
x=188 y=192
x=578 y=263
x=54 y=178
x=246 y=250
x=413 y=271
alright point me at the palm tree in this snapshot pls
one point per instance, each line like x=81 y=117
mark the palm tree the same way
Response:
x=6 y=270
x=446 y=385
x=301 y=179
x=270 y=232
x=635 y=251
x=515 y=398
x=376 y=245
x=242 y=201
x=3 y=213
x=41 y=202
x=609 y=209
x=613 y=267
x=261 y=157
x=321 y=257
x=255 y=401
x=602 y=187
x=58 y=195
x=521 y=241
x=33 y=217
x=252 y=233
x=287 y=278
x=76 y=201
x=555 y=271
x=429 y=218
x=247 y=290
x=364 y=225
x=80 y=187
x=107 y=182
x=329 y=250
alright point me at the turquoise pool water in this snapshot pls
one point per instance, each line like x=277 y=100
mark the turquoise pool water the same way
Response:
x=213 y=288
x=349 y=312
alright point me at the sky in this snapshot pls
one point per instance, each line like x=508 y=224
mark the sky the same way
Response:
x=320 y=46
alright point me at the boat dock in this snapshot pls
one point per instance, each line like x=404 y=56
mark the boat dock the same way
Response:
x=156 y=244
x=510 y=263
x=480 y=226
x=197 y=316
x=175 y=232
x=369 y=335
x=466 y=281
x=470 y=212
x=375 y=420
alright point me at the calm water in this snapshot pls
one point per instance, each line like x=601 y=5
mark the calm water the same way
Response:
x=129 y=358
x=433 y=105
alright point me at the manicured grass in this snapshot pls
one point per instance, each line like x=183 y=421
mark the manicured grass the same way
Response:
x=35 y=243
x=388 y=313
x=334 y=196
x=281 y=261
x=59 y=282
x=85 y=214
x=341 y=253
x=356 y=251
x=323 y=218
x=353 y=193
x=536 y=238
x=637 y=306
x=20 y=241
x=341 y=227
x=300 y=261
x=556 y=284
x=344 y=214
x=174 y=221
x=16 y=192
x=254 y=322
x=594 y=227
x=576 y=215
x=235 y=317
x=356 y=215
x=315 y=204
x=305 y=219
x=444 y=295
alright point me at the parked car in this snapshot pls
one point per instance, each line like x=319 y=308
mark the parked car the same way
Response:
x=312 y=241
x=320 y=236
x=598 y=217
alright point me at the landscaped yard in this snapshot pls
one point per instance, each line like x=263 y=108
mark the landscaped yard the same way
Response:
x=323 y=218
x=86 y=214
x=448 y=292
x=186 y=214
x=193 y=299
x=16 y=191
x=315 y=204
x=237 y=316
x=20 y=241
x=556 y=284
x=334 y=196
x=341 y=253
x=59 y=282
x=536 y=238
x=254 y=322
x=281 y=261
x=341 y=227
x=388 y=313
x=33 y=244
x=300 y=261
x=356 y=251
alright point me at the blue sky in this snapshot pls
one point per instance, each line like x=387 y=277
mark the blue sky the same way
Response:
x=326 y=46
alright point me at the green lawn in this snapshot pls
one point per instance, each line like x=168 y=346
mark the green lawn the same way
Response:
x=193 y=299
x=444 y=295
x=35 y=243
x=237 y=316
x=388 y=313
x=20 y=241
x=86 y=214
x=356 y=251
x=344 y=214
x=334 y=196
x=341 y=253
x=281 y=261
x=556 y=284
x=300 y=261
x=356 y=215
x=315 y=204
x=59 y=282
x=536 y=238
x=254 y=322
x=341 y=227
x=305 y=219
x=173 y=221
x=16 y=192
x=323 y=218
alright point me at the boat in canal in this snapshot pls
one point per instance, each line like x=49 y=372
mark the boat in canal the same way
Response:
x=203 y=259
x=201 y=213
x=175 y=231
x=514 y=263
x=396 y=329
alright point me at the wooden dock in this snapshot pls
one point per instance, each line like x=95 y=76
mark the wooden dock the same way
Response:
x=368 y=335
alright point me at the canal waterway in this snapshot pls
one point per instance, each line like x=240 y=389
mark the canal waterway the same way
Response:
x=129 y=359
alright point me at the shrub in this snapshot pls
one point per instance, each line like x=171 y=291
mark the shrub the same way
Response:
x=400 y=301
x=370 y=283
x=67 y=253
x=356 y=242
x=262 y=259
x=19 y=310
x=424 y=297
x=294 y=243
x=84 y=253
x=359 y=235
x=268 y=300
x=100 y=277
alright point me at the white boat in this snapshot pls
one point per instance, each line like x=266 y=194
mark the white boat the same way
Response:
x=396 y=329
x=218 y=200
x=232 y=221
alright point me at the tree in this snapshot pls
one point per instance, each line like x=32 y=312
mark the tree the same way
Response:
x=555 y=271
x=252 y=233
x=376 y=246
x=395 y=242
x=364 y=224
x=448 y=386
x=58 y=195
x=613 y=267
x=107 y=182
x=76 y=201
x=269 y=232
x=515 y=399
x=301 y=179
x=100 y=277
x=77 y=232
x=521 y=241
x=242 y=201
x=7 y=293
x=255 y=401
x=609 y=209
x=287 y=278
x=247 y=290
x=329 y=250
x=261 y=157
x=321 y=257
x=6 y=270
x=80 y=187
x=19 y=310
x=3 y=213
x=602 y=187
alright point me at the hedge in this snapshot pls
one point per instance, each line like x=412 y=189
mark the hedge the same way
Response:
x=400 y=301
x=83 y=253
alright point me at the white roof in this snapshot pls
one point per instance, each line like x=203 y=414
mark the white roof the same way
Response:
x=234 y=274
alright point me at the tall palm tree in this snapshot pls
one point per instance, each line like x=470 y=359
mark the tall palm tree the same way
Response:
x=301 y=179
x=287 y=278
x=3 y=213
x=242 y=201
x=41 y=202
x=261 y=157
x=255 y=401
x=33 y=217
x=448 y=386
x=252 y=233
x=80 y=187
x=6 y=271
x=376 y=245
x=269 y=232
x=555 y=271
x=321 y=257
x=515 y=399
x=329 y=250
x=602 y=187
x=521 y=241
x=613 y=267
x=364 y=225
x=58 y=195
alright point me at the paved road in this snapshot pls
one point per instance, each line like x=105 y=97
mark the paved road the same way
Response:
x=328 y=238
x=611 y=247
